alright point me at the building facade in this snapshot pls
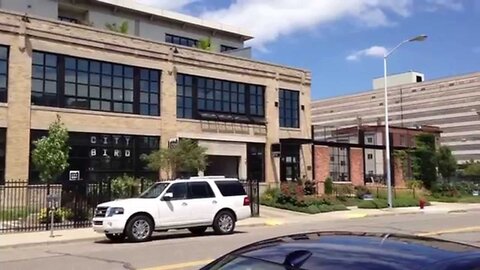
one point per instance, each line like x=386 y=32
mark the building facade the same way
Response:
x=121 y=96
x=451 y=104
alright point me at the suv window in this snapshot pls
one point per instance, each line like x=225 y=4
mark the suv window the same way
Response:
x=179 y=191
x=198 y=190
x=230 y=188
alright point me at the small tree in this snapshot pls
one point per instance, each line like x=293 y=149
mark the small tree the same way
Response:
x=50 y=155
x=446 y=162
x=205 y=44
x=123 y=28
x=424 y=163
x=187 y=155
x=328 y=186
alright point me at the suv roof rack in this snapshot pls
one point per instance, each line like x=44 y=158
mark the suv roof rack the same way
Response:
x=208 y=177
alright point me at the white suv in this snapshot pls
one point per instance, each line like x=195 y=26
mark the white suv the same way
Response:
x=196 y=203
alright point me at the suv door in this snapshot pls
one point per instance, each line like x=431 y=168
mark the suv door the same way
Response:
x=204 y=205
x=175 y=211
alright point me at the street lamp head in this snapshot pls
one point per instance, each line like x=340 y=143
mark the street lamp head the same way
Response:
x=418 y=38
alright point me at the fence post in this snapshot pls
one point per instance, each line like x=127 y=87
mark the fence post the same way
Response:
x=47 y=224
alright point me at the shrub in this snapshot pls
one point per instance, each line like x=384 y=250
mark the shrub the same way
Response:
x=310 y=188
x=59 y=215
x=373 y=204
x=328 y=185
x=445 y=190
x=125 y=187
x=361 y=191
x=270 y=195
x=414 y=184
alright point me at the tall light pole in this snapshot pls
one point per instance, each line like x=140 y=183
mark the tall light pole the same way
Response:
x=387 y=130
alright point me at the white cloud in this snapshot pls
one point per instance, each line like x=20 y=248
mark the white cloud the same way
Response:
x=434 y=5
x=166 y=4
x=374 y=51
x=267 y=20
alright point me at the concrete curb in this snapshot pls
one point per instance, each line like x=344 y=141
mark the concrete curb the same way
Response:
x=100 y=237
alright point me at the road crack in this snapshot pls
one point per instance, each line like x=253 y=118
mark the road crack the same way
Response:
x=125 y=265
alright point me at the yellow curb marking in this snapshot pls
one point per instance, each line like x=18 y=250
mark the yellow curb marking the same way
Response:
x=273 y=222
x=180 y=265
x=356 y=215
x=456 y=230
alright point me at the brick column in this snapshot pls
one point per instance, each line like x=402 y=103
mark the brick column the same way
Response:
x=398 y=172
x=356 y=167
x=322 y=167
x=18 y=117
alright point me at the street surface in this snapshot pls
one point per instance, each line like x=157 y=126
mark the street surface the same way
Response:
x=180 y=250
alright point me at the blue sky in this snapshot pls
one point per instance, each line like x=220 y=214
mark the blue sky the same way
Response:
x=334 y=38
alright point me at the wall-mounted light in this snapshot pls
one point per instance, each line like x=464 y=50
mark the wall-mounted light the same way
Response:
x=276 y=103
x=302 y=107
x=174 y=49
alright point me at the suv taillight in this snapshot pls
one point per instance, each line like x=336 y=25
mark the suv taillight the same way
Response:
x=246 y=201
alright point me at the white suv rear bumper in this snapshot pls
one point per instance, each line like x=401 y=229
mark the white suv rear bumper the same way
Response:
x=243 y=213
x=108 y=225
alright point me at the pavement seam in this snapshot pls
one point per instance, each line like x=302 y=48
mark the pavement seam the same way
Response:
x=125 y=265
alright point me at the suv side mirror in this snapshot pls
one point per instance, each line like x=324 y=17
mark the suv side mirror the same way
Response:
x=167 y=196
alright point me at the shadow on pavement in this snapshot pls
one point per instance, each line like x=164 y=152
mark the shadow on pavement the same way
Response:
x=166 y=236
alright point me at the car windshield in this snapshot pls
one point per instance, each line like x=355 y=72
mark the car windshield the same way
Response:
x=154 y=191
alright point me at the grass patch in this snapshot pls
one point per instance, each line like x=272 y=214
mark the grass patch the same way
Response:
x=14 y=213
x=382 y=203
x=462 y=199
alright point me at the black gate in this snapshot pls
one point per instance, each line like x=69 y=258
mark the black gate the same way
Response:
x=252 y=187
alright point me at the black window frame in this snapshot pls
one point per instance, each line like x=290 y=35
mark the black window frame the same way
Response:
x=339 y=166
x=289 y=108
x=228 y=101
x=225 y=48
x=95 y=85
x=182 y=41
x=209 y=191
x=4 y=60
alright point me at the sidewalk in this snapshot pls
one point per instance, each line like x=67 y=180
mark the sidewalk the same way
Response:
x=268 y=217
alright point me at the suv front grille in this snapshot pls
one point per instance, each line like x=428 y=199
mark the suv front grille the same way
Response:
x=101 y=211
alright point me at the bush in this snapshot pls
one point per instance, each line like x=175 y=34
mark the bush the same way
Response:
x=414 y=184
x=125 y=187
x=373 y=204
x=309 y=188
x=328 y=186
x=59 y=215
x=270 y=195
x=361 y=191
x=398 y=202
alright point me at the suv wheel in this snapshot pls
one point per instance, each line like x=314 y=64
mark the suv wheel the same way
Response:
x=224 y=223
x=139 y=228
x=115 y=237
x=198 y=230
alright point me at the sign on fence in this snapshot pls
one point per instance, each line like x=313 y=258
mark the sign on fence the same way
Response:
x=74 y=175
x=53 y=201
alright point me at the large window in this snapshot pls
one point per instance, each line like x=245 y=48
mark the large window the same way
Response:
x=44 y=79
x=103 y=156
x=3 y=73
x=199 y=97
x=70 y=82
x=184 y=41
x=289 y=108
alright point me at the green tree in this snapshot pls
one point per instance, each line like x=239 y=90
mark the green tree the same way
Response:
x=328 y=186
x=122 y=28
x=187 y=155
x=472 y=169
x=446 y=162
x=51 y=152
x=205 y=44
x=423 y=159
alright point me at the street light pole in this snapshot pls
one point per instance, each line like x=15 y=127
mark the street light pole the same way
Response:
x=387 y=129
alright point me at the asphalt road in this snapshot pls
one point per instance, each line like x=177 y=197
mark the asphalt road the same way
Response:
x=180 y=250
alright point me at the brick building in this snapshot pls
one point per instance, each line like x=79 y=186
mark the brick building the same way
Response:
x=356 y=155
x=122 y=95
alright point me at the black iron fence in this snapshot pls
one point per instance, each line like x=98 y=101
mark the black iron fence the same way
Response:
x=26 y=207
x=252 y=187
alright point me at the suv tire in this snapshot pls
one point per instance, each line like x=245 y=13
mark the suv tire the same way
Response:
x=115 y=237
x=198 y=230
x=224 y=223
x=139 y=228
